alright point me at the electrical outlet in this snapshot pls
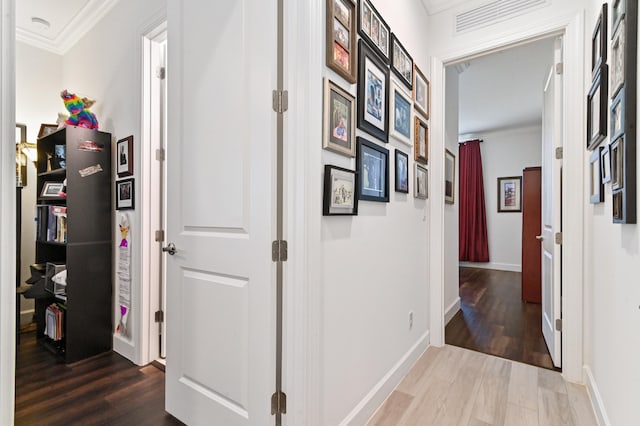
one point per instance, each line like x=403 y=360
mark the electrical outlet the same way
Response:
x=410 y=320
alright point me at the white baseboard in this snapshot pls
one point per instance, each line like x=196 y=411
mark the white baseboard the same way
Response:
x=451 y=311
x=512 y=267
x=381 y=391
x=125 y=348
x=596 y=399
x=26 y=316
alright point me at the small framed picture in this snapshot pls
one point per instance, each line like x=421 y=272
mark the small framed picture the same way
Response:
x=449 y=177
x=617 y=116
x=616 y=152
x=420 y=141
x=339 y=192
x=510 y=194
x=605 y=165
x=51 y=190
x=125 y=156
x=421 y=92
x=597 y=101
x=46 y=130
x=618 y=11
x=422 y=183
x=401 y=62
x=401 y=113
x=373 y=93
x=618 y=206
x=599 y=42
x=339 y=120
x=596 y=188
x=374 y=29
x=125 y=194
x=402 y=172
x=373 y=172
x=618 y=59
x=341 y=38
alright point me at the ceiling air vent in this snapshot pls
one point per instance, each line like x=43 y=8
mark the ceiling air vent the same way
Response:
x=493 y=12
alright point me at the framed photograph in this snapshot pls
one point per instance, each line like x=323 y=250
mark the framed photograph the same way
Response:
x=422 y=182
x=339 y=192
x=599 y=42
x=596 y=188
x=46 y=129
x=617 y=116
x=618 y=59
x=605 y=164
x=618 y=10
x=616 y=153
x=125 y=194
x=597 y=101
x=373 y=93
x=21 y=157
x=339 y=120
x=618 y=206
x=420 y=141
x=402 y=172
x=401 y=62
x=373 y=171
x=125 y=156
x=341 y=38
x=51 y=190
x=449 y=177
x=374 y=29
x=401 y=113
x=421 y=92
x=510 y=194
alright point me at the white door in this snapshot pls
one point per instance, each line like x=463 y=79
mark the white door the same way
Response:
x=551 y=212
x=220 y=191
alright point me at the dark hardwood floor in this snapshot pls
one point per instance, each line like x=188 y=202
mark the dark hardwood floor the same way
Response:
x=494 y=320
x=105 y=390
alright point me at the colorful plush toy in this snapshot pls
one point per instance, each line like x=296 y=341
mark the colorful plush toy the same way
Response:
x=79 y=111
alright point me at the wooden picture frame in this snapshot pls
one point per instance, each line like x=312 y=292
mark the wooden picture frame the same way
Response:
x=420 y=141
x=124 y=157
x=449 y=177
x=421 y=92
x=421 y=184
x=597 y=101
x=51 y=190
x=596 y=188
x=616 y=153
x=400 y=114
x=401 y=62
x=605 y=164
x=402 y=172
x=616 y=121
x=599 y=41
x=373 y=29
x=618 y=59
x=372 y=165
x=373 y=93
x=341 y=38
x=339 y=197
x=510 y=194
x=46 y=130
x=339 y=127
x=125 y=194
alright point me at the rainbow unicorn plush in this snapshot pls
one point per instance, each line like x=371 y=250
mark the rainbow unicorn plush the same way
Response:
x=79 y=111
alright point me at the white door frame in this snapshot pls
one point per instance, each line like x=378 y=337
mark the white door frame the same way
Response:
x=572 y=28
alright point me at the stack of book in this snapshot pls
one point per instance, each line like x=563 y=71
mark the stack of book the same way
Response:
x=54 y=317
x=51 y=223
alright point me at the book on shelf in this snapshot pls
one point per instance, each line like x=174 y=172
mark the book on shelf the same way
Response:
x=51 y=223
x=54 y=320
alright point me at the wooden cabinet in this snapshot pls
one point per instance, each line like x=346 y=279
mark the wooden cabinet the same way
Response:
x=531 y=228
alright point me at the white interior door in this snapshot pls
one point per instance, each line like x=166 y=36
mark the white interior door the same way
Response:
x=551 y=211
x=222 y=60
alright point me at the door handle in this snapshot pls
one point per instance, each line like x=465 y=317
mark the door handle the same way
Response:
x=539 y=237
x=171 y=249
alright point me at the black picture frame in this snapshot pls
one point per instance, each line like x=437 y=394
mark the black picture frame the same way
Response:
x=372 y=166
x=616 y=120
x=510 y=194
x=124 y=156
x=401 y=62
x=605 y=164
x=402 y=172
x=51 y=190
x=596 y=188
x=341 y=38
x=373 y=81
x=618 y=59
x=597 y=102
x=368 y=15
x=340 y=192
x=449 y=177
x=125 y=194
x=599 y=41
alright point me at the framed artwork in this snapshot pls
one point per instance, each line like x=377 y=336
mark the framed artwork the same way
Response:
x=421 y=184
x=402 y=172
x=597 y=101
x=401 y=112
x=596 y=188
x=618 y=59
x=341 y=38
x=125 y=156
x=449 y=177
x=605 y=165
x=51 y=190
x=339 y=192
x=618 y=206
x=617 y=116
x=420 y=141
x=125 y=194
x=46 y=129
x=618 y=10
x=21 y=157
x=510 y=194
x=401 y=62
x=373 y=171
x=339 y=120
x=616 y=152
x=599 y=42
x=374 y=29
x=421 y=92
x=373 y=93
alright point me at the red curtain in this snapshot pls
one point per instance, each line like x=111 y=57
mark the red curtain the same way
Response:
x=474 y=245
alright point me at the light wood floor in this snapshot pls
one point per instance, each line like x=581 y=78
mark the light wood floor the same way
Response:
x=456 y=386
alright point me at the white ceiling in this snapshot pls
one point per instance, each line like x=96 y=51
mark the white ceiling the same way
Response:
x=437 y=6
x=504 y=89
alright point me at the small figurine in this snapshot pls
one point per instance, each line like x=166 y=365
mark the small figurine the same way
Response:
x=79 y=111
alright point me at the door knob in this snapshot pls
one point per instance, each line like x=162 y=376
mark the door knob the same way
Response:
x=539 y=237
x=171 y=249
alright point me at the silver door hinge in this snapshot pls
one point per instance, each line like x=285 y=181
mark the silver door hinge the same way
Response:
x=160 y=235
x=558 y=325
x=160 y=154
x=558 y=237
x=161 y=72
x=279 y=403
x=159 y=316
x=279 y=251
x=559 y=68
x=280 y=101
x=559 y=153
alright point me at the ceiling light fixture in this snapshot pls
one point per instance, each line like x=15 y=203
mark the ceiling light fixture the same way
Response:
x=39 y=23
